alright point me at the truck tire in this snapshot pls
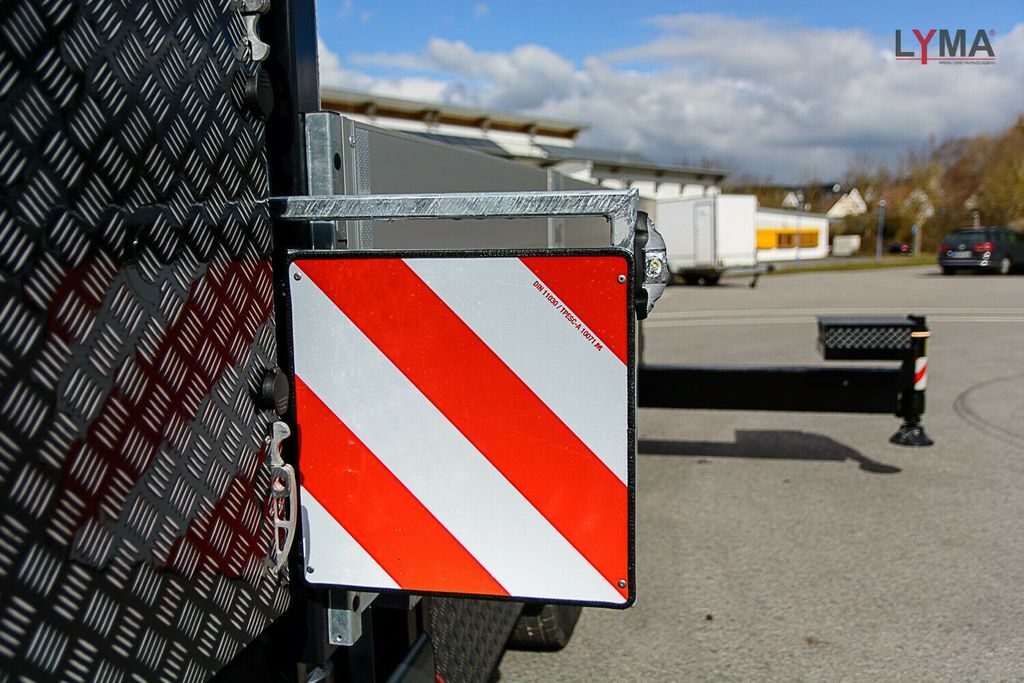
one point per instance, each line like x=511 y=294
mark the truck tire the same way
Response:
x=544 y=628
x=691 y=280
x=712 y=280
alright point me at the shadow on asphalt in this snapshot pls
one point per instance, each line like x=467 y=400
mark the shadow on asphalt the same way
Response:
x=770 y=445
x=731 y=283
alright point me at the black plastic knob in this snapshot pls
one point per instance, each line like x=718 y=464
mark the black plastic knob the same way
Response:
x=274 y=391
x=259 y=94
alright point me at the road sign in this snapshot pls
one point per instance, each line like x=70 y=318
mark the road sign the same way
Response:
x=466 y=422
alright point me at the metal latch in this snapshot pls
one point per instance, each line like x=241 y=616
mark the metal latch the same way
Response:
x=283 y=503
x=251 y=46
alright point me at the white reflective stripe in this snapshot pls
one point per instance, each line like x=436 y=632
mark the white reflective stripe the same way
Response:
x=594 y=405
x=443 y=470
x=921 y=368
x=336 y=557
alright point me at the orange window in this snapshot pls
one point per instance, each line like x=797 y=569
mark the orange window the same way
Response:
x=766 y=238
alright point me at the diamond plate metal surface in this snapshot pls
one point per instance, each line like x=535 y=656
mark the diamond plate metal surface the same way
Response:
x=868 y=338
x=469 y=636
x=135 y=321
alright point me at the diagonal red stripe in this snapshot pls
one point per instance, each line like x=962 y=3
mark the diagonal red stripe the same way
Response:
x=381 y=514
x=591 y=289
x=488 y=403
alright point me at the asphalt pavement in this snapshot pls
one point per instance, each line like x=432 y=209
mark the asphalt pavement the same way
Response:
x=797 y=546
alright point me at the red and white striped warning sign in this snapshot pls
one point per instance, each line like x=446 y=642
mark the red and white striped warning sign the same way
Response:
x=921 y=373
x=464 y=424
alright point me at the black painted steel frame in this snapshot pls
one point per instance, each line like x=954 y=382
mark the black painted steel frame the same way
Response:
x=801 y=389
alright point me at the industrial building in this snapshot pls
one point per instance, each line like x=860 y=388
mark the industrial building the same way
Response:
x=552 y=144
x=549 y=143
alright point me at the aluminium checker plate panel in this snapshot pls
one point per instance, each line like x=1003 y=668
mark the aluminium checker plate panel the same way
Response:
x=866 y=337
x=136 y=317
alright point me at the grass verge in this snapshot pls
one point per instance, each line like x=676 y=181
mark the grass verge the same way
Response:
x=886 y=262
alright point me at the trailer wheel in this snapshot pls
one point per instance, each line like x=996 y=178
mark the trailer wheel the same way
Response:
x=712 y=280
x=544 y=628
x=691 y=280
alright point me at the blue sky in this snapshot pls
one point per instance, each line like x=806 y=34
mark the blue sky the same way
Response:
x=789 y=89
x=577 y=29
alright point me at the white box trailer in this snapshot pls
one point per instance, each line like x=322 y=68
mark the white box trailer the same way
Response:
x=708 y=236
x=791 y=235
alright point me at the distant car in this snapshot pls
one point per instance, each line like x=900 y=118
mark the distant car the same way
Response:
x=898 y=248
x=999 y=250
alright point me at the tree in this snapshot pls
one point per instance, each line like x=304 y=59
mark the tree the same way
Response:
x=1000 y=195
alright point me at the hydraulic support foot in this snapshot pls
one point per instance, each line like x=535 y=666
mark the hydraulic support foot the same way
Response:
x=911 y=433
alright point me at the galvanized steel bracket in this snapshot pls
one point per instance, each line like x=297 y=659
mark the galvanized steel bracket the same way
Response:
x=619 y=207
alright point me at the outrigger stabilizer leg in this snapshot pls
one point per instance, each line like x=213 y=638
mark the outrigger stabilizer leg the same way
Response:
x=915 y=376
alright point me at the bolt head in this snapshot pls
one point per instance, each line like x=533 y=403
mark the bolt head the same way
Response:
x=296 y=277
x=622 y=583
x=622 y=279
x=309 y=570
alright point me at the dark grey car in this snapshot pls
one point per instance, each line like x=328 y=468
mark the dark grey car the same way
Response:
x=999 y=250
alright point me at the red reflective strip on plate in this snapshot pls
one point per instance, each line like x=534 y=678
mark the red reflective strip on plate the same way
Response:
x=470 y=385
x=363 y=496
x=594 y=294
x=921 y=373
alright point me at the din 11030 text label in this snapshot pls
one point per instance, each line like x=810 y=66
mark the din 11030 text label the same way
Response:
x=568 y=315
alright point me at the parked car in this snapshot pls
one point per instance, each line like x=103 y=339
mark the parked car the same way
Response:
x=999 y=250
x=898 y=248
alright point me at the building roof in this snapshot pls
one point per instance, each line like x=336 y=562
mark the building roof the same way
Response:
x=577 y=153
x=366 y=104
x=479 y=144
x=613 y=165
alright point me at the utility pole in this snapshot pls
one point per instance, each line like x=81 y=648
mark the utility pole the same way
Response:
x=799 y=207
x=879 y=232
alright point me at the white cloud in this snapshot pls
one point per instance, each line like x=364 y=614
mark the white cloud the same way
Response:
x=481 y=10
x=335 y=75
x=769 y=97
x=347 y=9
